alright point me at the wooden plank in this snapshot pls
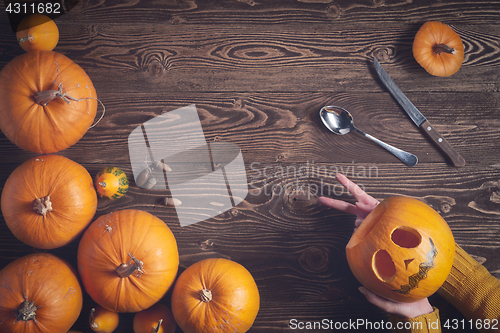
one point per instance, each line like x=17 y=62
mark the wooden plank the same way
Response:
x=266 y=58
x=284 y=11
x=271 y=127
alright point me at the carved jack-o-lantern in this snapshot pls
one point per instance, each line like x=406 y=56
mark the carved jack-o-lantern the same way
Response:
x=402 y=251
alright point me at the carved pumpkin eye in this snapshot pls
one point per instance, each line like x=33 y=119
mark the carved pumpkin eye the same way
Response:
x=383 y=266
x=406 y=237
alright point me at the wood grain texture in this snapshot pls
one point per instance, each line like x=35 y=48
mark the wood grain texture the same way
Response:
x=258 y=73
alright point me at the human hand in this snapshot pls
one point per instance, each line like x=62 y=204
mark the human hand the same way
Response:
x=364 y=205
x=401 y=309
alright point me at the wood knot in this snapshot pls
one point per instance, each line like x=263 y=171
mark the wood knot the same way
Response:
x=314 y=259
x=155 y=68
x=300 y=199
x=488 y=199
x=333 y=11
x=238 y=103
x=441 y=204
x=248 y=2
x=445 y=207
x=91 y=30
x=378 y=2
x=177 y=20
x=495 y=197
x=382 y=55
x=281 y=157
x=206 y=245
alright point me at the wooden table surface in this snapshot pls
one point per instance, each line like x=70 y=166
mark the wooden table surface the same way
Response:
x=258 y=72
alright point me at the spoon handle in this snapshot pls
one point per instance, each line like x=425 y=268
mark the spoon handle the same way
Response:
x=407 y=158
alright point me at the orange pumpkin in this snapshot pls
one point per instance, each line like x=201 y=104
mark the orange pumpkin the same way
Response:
x=37 y=32
x=156 y=319
x=47 y=102
x=127 y=260
x=402 y=251
x=48 y=201
x=438 y=49
x=39 y=293
x=102 y=320
x=215 y=295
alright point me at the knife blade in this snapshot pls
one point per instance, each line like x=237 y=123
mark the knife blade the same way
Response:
x=417 y=117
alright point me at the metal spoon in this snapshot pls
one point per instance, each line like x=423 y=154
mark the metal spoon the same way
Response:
x=339 y=121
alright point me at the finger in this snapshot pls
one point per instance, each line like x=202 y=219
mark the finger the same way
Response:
x=339 y=205
x=355 y=190
x=350 y=186
x=358 y=222
x=364 y=209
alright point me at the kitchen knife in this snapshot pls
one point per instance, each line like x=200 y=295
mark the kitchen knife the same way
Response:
x=417 y=117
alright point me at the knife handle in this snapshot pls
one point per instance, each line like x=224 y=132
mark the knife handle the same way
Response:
x=441 y=142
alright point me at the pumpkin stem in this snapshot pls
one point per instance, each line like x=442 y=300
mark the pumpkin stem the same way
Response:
x=133 y=266
x=93 y=324
x=28 y=38
x=43 y=205
x=27 y=311
x=157 y=328
x=444 y=48
x=44 y=97
x=206 y=295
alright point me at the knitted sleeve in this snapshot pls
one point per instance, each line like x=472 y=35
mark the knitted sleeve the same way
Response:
x=473 y=290
x=428 y=323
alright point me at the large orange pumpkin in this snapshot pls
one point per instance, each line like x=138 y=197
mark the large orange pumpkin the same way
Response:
x=39 y=293
x=127 y=260
x=402 y=251
x=37 y=32
x=438 y=49
x=47 y=102
x=215 y=295
x=48 y=201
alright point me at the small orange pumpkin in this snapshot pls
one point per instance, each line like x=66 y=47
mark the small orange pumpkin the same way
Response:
x=215 y=295
x=48 y=201
x=41 y=288
x=111 y=183
x=37 y=32
x=102 y=320
x=47 y=102
x=438 y=49
x=402 y=251
x=156 y=319
x=127 y=260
